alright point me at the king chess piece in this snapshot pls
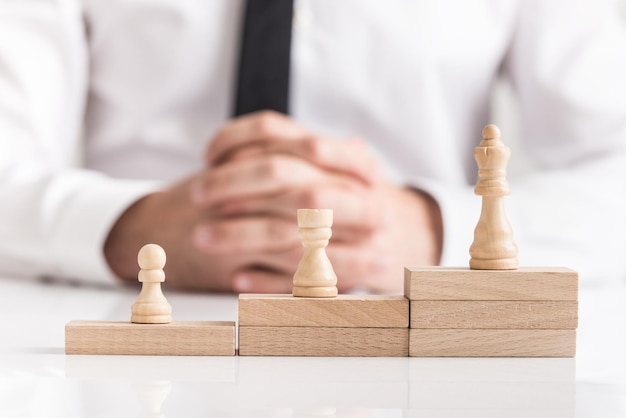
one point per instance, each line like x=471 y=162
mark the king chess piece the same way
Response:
x=315 y=276
x=493 y=247
x=151 y=307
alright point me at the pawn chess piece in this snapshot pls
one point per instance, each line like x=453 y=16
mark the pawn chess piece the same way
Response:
x=493 y=247
x=315 y=276
x=151 y=307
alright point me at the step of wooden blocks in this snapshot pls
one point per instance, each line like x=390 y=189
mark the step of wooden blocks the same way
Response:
x=525 y=283
x=348 y=325
x=458 y=312
x=206 y=338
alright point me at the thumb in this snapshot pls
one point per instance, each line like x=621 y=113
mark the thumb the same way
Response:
x=259 y=281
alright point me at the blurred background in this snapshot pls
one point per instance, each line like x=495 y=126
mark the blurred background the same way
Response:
x=506 y=115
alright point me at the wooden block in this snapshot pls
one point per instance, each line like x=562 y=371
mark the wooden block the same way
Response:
x=492 y=343
x=525 y=283
x=367 y=311
x=494 y=314
x=173 y=339
x=323 y=342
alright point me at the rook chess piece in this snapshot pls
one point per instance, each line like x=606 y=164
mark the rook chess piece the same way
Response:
x=151 y=307
x=315 y=276
x=493 y=247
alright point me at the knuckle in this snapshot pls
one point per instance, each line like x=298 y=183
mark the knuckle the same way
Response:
x=273 y=167
x=220 y=135
x=215 y=145
x=266 y=122
x=283 y=168
x=314 y=147
x=220 y=132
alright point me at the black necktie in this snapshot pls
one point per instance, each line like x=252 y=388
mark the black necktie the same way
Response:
x=263 y=79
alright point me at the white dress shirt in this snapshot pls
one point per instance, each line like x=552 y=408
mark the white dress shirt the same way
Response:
x=135 y=89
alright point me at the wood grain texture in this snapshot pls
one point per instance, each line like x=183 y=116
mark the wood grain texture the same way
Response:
x=525 y=283
x=173 y=339
x=323 y=342
x=494 y=314
x=362 y=311
x=492 y=343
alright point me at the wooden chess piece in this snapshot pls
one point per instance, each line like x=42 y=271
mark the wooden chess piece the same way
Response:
x=151 y=307
x=315 y=276
x=493 y=247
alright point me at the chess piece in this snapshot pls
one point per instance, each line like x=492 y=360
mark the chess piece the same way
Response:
x=315 y=276
x=151 y=307
x=493 y=247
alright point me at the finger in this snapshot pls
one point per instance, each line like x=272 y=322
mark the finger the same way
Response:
x=348 y=157
x=355 y=209
x=251 y=128
x=245 y=152
x=254 y=177
x=245 y=236
x=343 y=156
x=261 y=281
x=274 y=132
x=246 y=178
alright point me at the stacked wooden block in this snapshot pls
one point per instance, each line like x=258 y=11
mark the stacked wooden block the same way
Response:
x=347 y=325
x=178 y=338
x=529 y=312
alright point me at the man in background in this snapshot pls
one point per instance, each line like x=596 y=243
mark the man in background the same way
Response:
x=371 y=108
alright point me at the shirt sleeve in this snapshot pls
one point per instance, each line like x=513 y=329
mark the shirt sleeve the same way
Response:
x=54 y=217
x=567 y=63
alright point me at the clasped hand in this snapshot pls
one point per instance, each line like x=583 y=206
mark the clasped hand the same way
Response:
x=232 y=226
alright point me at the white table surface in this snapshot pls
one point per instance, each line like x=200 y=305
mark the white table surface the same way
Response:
x=38 y=380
